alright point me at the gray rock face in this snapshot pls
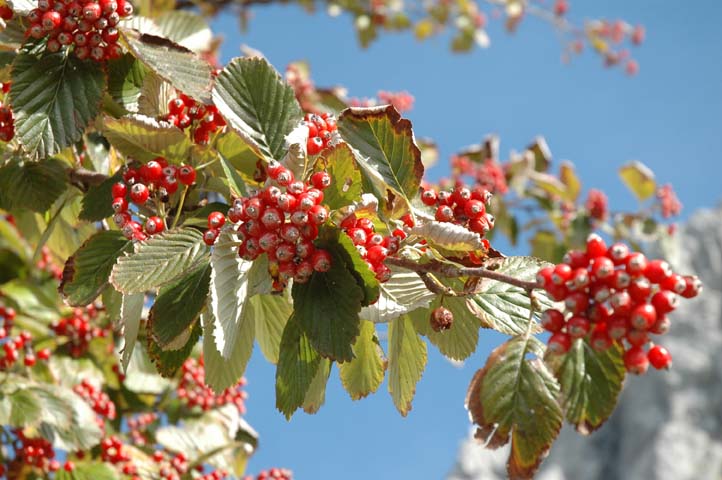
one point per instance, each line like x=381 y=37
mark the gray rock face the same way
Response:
x=668 y=425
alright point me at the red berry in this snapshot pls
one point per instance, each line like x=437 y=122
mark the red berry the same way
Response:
x=635 y=361
x=91 y=12
x=552 y=320
x=474 y=209
x=659 y=357
x=636 y=263
x=600 y=340
x=321 y=180
x=657 y=271
x=428 y=197
x=674 y=283
x=44 y=354
x=602 y=268
x=576 y=259
x=318 y=214
x=559 y=343
x=285 y=177
x=186 y=174
x=51 y=20
x=120 y=204
x=169 y=184
x=577 y=302
x=596 y=247
x=314 y=145
x=376 y=254
x=69 y=466
x=210 y=236
x=664 y=302
x=151 y=172
x=617 y=327
x=544 y=276
x=216 y=220
x=637 y=338
x=578 y=327
x=643 y=316
x=639 y=289
x=154 y=225
x=321 y=261
x=693 y=287
x=139 y=193
x=618 y=253
x=119 y=189
x=444 y=213
x=562 y=273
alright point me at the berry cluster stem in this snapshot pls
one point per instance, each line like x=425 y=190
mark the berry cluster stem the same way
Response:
x=448 y=270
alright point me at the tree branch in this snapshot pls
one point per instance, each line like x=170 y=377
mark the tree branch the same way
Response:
x=451 y=271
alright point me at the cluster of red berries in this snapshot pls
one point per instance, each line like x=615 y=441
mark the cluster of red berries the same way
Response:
x=35 y=452
x=272 y=474
x=89 y=25
x=112 y=450
x=373 y=247
x=597 y=205
x=321 y=132
x=462 y=206
x=281 y=224
x=138 y=426
x=203 y=120
x=157 y=178
x=7 y=119
x=177 y=466
x=487 y=175
x=79 y=329
x=97 y=399
x=47 y=263
x=614 y=295
x=22 y=343
x=194 y=392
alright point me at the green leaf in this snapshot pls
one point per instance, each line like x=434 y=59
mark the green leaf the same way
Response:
x=131 y=310
x=459 y=341
x=327 y=309
x=235 y=183
x=504 y=307
x=270 y=312
x=178 y=305
x=384 y=146
x=155 y=94
x=514 y=397
x=88 y=471
x=97 y=201
x=159 y=260
x=187 y=29
x=297 y=366
x=257 y=104
x=570 y=179
x=32 y=185
x=141 y=375
x=545 y=245
x=449 y=236
x=175 y=64
x=54 y=99
x=221 y=372
x=345 y=186
x=230 y=289
x=403 y=293
x=144 y=138
x=316 y=395
x=363 y=375
x=237 y=152
x=20 y=408
x=407 y=360
x=167 y=362
x=639 y=179
x=590 y=383
x=67 y=420
x=125 y=80
x=86 y=273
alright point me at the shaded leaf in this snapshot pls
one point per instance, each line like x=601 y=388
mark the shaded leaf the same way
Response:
x=125 y=80
x=316 y=395
x=221 y=372
x=97 y=201
x=54 y=99
x=144 y=138
x=86 y=273
x=297 y=365
x=32 y=185
x=131 y=310
x=167 y=362
x=271 y=312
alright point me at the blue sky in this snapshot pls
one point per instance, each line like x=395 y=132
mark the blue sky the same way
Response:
x=669 y=117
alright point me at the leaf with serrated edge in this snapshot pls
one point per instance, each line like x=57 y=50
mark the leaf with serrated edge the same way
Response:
x=407 y=360
x=316 y=395
x=513 y=396
x=385 y=150
x=188 y=29
x=345 y=186
x=126 y=76
x=403 y=293
x=145 y=138
x=504 y=307
x=96 y=206
x=54 y=98
x=32 y=185
x=449 y=236
x=297 y=365
x=131 y=310
x=327 y=309
x=158 y=261
x=337 y=242
x=590 y=383
x=363 y=375
x=86 y=272
x=257 y=104
x=229 y=291
x=271 y=312
x=177 y=65
x=178 y=305
x=222 y=373
x=457 y=342
x=155 y=94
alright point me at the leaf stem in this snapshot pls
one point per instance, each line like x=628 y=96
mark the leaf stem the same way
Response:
x=180 y=206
